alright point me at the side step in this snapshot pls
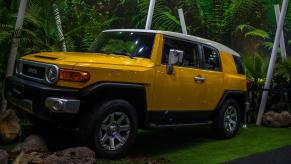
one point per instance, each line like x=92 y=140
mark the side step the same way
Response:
x=155 y=126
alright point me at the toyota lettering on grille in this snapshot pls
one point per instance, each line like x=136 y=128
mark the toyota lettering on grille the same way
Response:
x=32 y=70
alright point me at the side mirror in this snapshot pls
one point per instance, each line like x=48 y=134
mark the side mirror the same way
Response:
x=175 y=58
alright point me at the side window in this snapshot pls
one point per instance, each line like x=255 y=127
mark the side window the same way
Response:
x=239 y=66
x=191 y=57
x=212 y=61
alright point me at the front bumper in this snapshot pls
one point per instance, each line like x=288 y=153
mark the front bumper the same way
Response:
x=38 y=100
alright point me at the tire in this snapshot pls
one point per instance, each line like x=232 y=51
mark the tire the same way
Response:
x=227 y=120
x=110 y=129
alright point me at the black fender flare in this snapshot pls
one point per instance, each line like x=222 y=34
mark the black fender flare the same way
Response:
x=133 y=93
x=239 y=96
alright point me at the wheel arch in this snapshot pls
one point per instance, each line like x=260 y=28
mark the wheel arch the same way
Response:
x=135 y=94
x=239 y=96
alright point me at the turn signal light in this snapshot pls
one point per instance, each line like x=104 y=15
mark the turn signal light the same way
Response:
x=72 y=75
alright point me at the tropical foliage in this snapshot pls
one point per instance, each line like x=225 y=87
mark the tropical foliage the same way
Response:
x=280 y=92
x=219 y=20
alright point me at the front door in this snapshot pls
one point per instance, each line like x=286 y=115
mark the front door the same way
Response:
x=184 y=90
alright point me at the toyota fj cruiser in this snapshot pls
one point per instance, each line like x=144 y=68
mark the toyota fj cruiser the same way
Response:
x=132 y=79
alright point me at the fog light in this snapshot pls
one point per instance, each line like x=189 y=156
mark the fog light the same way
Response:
x=58 y=105
x=61 y=105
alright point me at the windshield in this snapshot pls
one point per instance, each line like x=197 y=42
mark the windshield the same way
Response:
x=132 y=44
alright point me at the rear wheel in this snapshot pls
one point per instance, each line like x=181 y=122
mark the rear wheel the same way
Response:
x=111 y=129
x=227 y=121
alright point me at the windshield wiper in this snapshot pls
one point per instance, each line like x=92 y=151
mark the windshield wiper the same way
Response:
x=123 y=53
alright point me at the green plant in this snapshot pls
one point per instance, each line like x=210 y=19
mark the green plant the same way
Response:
x=39 y=31
x=288 y=19
x=163 y=18
x=280 y=94
x=250 y=31
x=217 y=16
x=256 y=67
x=259 y=37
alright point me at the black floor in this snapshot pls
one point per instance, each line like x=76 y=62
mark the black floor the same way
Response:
x=277 y=156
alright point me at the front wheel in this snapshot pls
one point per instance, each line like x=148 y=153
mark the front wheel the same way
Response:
x=111 y=129
x=227 y=121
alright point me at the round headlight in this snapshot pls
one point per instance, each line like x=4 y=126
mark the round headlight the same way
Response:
x=52 y=74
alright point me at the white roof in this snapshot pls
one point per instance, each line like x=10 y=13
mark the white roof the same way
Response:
x=218 y=46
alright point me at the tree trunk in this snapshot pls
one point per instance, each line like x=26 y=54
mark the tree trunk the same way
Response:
x=59 y=27
x=14 y=45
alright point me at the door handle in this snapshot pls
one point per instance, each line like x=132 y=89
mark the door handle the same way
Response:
x=199 y=79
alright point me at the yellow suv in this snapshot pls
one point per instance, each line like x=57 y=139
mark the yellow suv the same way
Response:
x=129 y=80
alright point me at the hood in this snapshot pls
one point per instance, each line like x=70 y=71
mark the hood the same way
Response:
x=79 y=57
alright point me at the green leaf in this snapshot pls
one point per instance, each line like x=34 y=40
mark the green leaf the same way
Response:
x=258 y=33
x=244 y=27
x=4 y=35
x=268 y=45
x=256 y=67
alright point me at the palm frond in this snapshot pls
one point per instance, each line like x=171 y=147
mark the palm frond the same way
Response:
x=288 y=19
x=251 y=31
x=242 y=28
x=268 y=45
x=284 y=69
x=4 y=36
x=256 y=67
x=163 y=17
x=259 y=33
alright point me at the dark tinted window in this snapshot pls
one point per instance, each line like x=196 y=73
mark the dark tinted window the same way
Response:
x=120 y=43
x=191 y=57
x=239 y=67
x=212 y=61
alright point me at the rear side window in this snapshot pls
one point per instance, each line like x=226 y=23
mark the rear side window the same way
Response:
x=212 y=61
x=239 y=67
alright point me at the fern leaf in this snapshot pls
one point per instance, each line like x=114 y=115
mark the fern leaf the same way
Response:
x=268 y=45
x=244 y=27
x=258 y=33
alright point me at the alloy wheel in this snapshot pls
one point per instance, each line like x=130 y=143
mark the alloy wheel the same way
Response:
x=230 y=119
x=114 y=131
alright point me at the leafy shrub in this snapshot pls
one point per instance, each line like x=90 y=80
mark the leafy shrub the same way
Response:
x=280 y=91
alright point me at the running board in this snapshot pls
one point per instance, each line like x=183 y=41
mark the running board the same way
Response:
x=179 y=125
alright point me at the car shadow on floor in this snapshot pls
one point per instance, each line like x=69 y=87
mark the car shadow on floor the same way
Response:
x=159 y=141
x=147 y=144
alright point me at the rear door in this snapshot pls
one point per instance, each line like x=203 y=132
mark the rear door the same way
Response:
x=213 y=70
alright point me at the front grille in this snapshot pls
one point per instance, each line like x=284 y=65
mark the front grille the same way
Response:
x=33 y=70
